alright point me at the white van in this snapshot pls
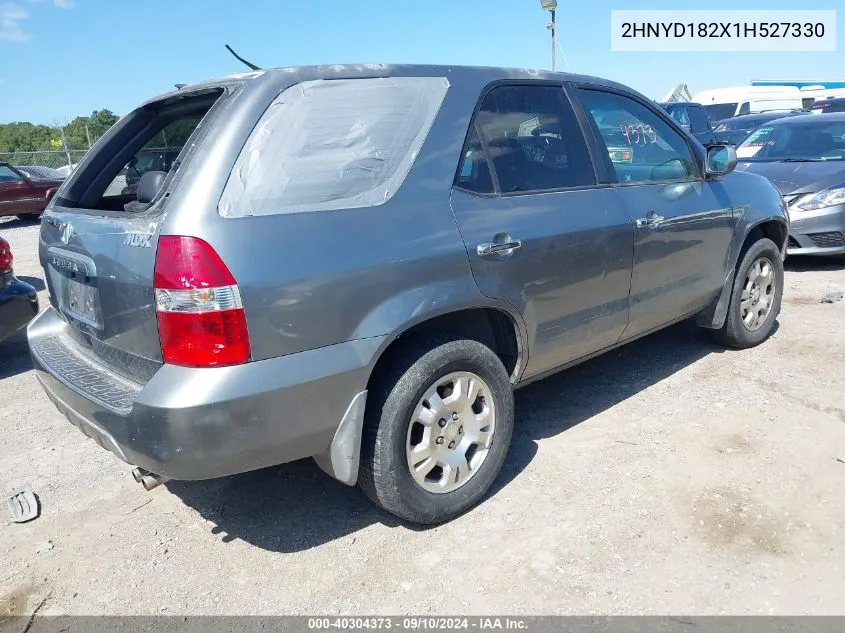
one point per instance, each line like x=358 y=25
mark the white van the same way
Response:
x=811 y=94
x=724 y=103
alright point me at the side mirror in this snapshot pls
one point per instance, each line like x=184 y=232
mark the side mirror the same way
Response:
x=721 y=160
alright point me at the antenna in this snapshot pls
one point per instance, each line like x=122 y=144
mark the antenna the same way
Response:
x=241 y=59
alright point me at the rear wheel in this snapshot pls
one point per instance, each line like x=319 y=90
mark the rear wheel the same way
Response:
x=756 y=297
x=437 y=431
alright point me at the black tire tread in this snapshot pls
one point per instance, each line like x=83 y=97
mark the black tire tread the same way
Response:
x=379 y=476
x=733 y=333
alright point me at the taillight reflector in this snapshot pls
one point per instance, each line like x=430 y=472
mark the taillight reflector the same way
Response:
x=201 y=320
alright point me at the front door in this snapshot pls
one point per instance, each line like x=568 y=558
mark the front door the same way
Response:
x=683 y=222
x=540 y=233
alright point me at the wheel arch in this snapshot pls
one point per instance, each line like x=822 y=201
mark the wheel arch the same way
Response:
x=495 y=324
x=775 y=229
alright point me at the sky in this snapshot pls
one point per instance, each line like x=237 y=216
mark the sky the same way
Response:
x=63 y=58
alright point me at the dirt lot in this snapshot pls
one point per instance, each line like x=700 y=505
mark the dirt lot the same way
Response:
x=668 y=477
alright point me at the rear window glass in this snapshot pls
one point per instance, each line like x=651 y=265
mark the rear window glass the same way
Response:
x=332 y=144
x=158 y=154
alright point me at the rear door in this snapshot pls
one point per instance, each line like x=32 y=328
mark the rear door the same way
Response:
x=540 y=232
x=99 y=257
x=683 y=222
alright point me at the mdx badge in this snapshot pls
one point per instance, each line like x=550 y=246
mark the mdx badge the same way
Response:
x=137 y=239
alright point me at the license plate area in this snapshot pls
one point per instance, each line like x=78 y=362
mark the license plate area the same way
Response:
x=81 y=301
x=74 y=278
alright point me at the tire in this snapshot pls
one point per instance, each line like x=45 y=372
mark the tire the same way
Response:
x=735 y=332
x=29 y=217
x=385 y=473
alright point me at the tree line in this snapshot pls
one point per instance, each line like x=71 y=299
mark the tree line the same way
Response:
x=53 y=144
x=29 y=137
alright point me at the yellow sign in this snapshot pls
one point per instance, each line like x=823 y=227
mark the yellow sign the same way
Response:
x=54 y=142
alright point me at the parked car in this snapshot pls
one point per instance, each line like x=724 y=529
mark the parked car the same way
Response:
x=692 y=118
x=828 y=106
x=318 y=277
x=804 y=156
x=22 y=195
x=734 y=131
x=724 y=103
x=37 y=171
x=18 y=300
x=65 y=170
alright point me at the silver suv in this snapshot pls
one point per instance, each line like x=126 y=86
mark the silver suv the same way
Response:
x=360 y=263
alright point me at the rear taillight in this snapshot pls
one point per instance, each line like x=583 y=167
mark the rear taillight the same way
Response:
x=201 y=321
x=6 y=258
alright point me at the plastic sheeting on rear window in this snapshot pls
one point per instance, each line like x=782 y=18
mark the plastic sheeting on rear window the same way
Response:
x=333 y=144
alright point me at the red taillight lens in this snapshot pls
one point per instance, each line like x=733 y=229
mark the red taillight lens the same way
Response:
x=6 y=258
x=201 y=320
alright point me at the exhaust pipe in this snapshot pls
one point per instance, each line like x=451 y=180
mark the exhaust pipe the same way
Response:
x=147 y=479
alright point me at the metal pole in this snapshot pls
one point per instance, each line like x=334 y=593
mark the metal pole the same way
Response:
x=64 y=144
x=88 y=136
x=553 y=39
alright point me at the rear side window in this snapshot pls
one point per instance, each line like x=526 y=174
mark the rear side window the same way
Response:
x=475 y=172
x=533 y=142
x=681 y=115
x=333 y=144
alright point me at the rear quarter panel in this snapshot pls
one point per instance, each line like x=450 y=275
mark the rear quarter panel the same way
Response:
x=317 y=278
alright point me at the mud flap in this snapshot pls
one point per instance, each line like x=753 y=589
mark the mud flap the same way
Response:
x=713 y=316
x=341 y=459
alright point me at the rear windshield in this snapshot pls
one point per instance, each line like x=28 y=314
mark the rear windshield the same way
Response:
x=332 y=144
x=748 y=123
x=740 y=124
x=720 y=111
x=814 y=141
x=148 y=139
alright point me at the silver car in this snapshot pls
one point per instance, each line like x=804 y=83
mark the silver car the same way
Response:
x=360 y=263
x=804 y=157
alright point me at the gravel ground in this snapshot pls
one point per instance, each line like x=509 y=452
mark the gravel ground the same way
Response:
x=670 y=476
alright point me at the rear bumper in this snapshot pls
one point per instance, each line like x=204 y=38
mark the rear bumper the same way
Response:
x=203 y=423
x=820 y=232
x=18 y=304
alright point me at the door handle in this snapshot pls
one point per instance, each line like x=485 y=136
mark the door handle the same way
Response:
x=651 y=221
x=499 y=247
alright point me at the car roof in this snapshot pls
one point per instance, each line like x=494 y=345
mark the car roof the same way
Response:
x=806 y=118
x=349 y=71
x=763 y=115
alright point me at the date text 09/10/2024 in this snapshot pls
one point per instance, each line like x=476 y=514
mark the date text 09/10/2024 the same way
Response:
x=429 y=623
